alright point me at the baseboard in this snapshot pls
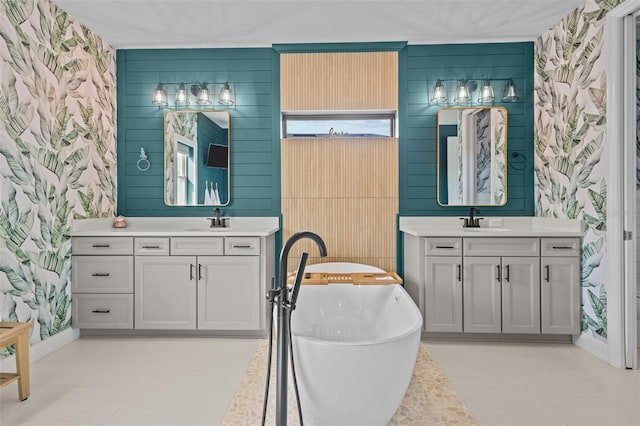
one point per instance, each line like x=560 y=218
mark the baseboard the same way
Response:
x=497 y=337
x=595 y=347
x=43 y=348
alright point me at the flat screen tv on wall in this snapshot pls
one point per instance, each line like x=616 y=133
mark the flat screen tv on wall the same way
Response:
x=218 y=156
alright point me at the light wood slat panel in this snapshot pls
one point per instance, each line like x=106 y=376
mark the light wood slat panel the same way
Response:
x=339 y=168
x=339 y=81
x=350 y=227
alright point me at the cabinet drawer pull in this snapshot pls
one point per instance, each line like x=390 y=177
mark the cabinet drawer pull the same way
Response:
x=191 y=268
x=459 y=272
x=445 y=247
x=199 y=271
x=150 y=247
x=100 y=274
x=498 y=273
x=101 y=311
x=241 y=246
x=562 y=247
x=546 y=273
x=101 y=245
x=506 y=277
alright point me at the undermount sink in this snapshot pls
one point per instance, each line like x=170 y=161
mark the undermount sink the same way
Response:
x=487 y=229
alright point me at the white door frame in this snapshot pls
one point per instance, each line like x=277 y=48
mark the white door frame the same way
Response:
x=621 y=291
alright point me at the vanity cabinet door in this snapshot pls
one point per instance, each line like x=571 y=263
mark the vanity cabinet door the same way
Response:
x=482 y=295
x=443 y=294
x=165 y=292
x=560 y=295
x=229 y=295
x=521 y=295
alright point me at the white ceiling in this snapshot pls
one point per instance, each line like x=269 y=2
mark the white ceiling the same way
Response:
x=127 y=24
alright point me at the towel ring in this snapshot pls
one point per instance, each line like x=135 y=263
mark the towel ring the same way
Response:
x=143 y=163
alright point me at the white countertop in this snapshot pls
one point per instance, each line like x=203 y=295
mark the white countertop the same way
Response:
x=175 y=226
x=451 y=226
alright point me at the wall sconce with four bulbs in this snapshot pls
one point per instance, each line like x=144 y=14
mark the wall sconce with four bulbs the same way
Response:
x=464 y=88
x=199 y=91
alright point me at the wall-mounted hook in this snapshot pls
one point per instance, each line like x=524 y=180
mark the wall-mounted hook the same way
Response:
x=143 y=163
x=521 y=159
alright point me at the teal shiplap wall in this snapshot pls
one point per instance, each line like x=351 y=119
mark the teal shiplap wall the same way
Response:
x=255 y=123
x=254 y=128
x=420 y=67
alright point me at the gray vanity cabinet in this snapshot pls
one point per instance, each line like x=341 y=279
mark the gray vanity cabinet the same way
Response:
x=227 y=296
x=560 y=286
x=502 y=285
x=482 y=298
x=521 y=295
x=165 y=292
x=102 y=282
x=443 y=294
x=443 y=284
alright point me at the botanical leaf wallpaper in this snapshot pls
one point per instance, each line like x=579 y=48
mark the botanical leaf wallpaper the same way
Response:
x=570 y=143
x=57 y=155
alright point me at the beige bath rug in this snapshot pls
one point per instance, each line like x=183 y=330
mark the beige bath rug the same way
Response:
x=430 y=399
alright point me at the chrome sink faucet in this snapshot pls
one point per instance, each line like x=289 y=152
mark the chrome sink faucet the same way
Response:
x=471 y=221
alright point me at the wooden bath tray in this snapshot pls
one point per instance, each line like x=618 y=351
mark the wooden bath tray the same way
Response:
x=323 y=278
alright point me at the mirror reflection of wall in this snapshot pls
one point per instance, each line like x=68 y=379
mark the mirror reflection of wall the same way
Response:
x=197 y=158
x=472 y=156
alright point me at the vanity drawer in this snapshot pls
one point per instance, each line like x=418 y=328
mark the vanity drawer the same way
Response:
x=197 y=246
x=151 y=246
x=102 y=274
x=561 y=246
x=443 y=246
x=501 y=246
x=103 y=311
x=242 y=246
x=102 y=245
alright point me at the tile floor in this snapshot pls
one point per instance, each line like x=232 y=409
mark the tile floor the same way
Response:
x=184 y=381
x=538 y=384
x=131 y=381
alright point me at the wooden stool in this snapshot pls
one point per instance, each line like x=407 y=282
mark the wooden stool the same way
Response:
x=18 y=333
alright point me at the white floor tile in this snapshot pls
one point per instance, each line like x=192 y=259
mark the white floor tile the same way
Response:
x=190 y=381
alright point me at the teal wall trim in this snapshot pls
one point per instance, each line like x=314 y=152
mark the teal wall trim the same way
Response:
x=391 y=46
x=255 y=135
x=420 y=67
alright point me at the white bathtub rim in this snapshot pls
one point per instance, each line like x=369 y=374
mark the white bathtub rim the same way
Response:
x=343 y=267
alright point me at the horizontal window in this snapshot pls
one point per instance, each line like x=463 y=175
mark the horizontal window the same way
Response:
x=374 y=125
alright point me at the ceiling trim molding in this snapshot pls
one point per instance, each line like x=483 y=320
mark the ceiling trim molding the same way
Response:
x=391 y=46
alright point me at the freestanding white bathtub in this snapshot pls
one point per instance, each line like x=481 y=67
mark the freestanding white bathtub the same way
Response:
x=355 y=348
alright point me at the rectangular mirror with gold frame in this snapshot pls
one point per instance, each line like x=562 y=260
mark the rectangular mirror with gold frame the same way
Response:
x=472 y=156
x=196 y=158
